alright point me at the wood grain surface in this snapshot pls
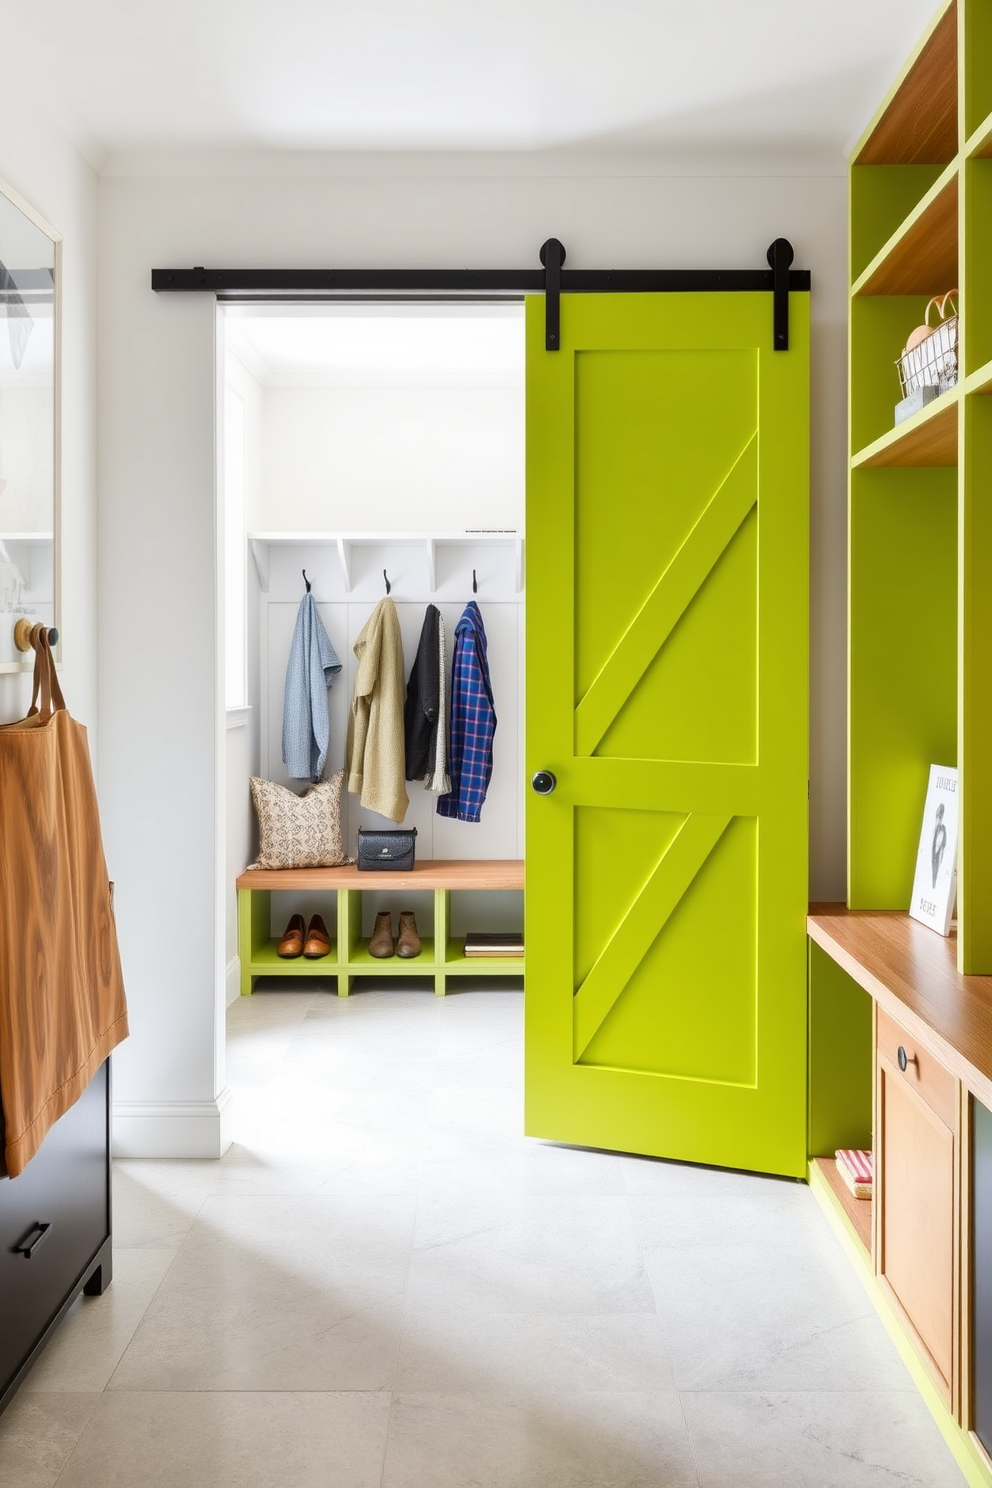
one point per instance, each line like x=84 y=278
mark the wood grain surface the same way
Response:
x=441 y=873
x=920 y=125
x=912 y=974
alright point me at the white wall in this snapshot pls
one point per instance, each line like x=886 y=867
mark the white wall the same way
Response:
x=393 y=458
x=242 y=742
x=40 y=163
x=160 y=712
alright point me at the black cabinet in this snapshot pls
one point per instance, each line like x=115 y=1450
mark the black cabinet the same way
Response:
x=981 y=1273
x=54 y=1230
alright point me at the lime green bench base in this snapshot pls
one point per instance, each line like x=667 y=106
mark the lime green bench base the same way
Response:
x=442 y=956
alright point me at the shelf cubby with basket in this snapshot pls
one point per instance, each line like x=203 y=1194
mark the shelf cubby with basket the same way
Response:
x=337 y=893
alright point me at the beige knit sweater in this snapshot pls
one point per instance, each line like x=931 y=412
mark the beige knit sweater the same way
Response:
x=376 y=759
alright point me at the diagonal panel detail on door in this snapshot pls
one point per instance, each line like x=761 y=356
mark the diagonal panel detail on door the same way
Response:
x=627 y=946
x=684 y=576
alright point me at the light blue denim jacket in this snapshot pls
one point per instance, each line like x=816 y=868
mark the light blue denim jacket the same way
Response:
x=313 y=665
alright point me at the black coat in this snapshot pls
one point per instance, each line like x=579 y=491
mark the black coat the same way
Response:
x=423 y=700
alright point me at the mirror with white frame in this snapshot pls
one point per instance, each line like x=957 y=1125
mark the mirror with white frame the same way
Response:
x=29 y=423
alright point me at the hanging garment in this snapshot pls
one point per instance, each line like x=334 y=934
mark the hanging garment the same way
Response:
x=473 y=720
x=375 y=755
x=62 y=1006
x=313 y=665
x=426 y=714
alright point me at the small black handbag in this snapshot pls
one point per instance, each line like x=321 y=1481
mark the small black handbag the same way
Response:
x=381 y=850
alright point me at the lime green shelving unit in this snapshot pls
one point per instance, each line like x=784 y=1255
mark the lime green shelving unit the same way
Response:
x=339 y=893
x=919 y=637
x=920 y=530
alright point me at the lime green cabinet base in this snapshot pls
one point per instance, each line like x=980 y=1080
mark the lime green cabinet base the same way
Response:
x=442 y=956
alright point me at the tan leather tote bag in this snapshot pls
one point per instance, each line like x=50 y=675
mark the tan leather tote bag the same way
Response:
x=62 y=1006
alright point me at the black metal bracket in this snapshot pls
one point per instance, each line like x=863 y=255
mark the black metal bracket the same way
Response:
x=780 y=256
x=241 y=285
x=552 y=257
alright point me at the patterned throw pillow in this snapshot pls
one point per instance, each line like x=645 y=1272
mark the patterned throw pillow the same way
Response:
x=299 y=831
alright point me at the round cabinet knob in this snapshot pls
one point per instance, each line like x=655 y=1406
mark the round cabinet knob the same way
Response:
x=904 y=1058
x=544 y=782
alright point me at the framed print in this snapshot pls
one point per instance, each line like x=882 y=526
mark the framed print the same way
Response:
x=29 y=423
x=936 y=878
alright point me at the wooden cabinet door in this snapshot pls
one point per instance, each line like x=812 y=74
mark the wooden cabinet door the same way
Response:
x=917 y=1154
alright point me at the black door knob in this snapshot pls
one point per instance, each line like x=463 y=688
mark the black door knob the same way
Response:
x=544 y=782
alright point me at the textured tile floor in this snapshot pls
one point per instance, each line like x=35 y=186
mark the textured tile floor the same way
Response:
x=384 y=1285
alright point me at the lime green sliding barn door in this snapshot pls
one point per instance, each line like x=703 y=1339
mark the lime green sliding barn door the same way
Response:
x=667 y=625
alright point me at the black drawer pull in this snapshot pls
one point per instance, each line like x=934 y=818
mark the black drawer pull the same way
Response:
x=32 y=1240
x=905 y=1059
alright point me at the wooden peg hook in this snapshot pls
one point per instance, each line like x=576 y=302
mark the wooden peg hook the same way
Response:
x=22 y=634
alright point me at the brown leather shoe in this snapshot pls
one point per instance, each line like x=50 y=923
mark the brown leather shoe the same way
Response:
x=318 y=941
x=381 y=943
x=291 y=944
x=408 y=941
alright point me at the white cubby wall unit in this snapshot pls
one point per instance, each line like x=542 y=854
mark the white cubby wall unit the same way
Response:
x=346 y=575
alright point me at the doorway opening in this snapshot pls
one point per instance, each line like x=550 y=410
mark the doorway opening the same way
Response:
x=365 y=444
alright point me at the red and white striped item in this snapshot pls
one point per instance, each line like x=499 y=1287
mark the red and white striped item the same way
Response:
x=858 y=1164
x=855 y=1168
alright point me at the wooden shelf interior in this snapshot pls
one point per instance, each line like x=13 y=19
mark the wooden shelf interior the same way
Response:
x=928 y=439
x=857 y=1211
x=918 y=123
x=903 y=670
x=921 y=257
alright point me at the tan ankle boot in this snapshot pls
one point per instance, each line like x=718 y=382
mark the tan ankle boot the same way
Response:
x=408 y=941
x=381 y=943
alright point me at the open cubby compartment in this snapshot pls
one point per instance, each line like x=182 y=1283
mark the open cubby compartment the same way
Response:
x=839 y=1093
x=880 y=326
x=263 y=915
x=975 y=707
x=903 y=669
x=922 y=250
x=884 y=198
x=977 y=285
x=918 y=122
x=978 y=72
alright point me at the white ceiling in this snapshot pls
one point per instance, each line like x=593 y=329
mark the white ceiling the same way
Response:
x=126 y=77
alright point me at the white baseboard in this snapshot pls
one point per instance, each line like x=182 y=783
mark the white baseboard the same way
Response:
x=173 y=1128
x=233 y=983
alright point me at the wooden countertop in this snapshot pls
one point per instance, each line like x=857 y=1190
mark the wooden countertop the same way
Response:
x=912 y=973
x=439 y=873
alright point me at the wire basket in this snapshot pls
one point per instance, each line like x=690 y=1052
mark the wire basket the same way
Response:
x=930 y=359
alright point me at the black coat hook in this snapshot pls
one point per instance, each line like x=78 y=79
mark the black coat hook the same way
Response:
x=475 y=583
x=385 y=580
x=306 y=580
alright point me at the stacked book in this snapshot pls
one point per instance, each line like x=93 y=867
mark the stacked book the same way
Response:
x=494 y=943
x=855 y=1167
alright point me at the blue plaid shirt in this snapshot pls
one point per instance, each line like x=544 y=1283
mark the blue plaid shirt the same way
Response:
x=473 y=721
